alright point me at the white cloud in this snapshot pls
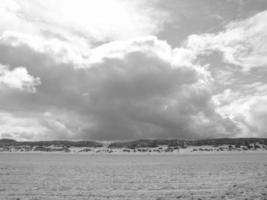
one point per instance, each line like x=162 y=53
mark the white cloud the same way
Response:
x=118 y=49
x=40 y=126
x=242 y=43
x=247 y=109
x=102 y=20
x=20 y=127
x=68 y=30
x=18 y=78
x=105 y=75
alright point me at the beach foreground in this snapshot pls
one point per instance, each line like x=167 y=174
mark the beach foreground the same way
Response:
x=40 y=176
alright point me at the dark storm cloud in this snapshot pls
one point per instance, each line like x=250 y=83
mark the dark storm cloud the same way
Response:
x=139 y=95
x=71 y=78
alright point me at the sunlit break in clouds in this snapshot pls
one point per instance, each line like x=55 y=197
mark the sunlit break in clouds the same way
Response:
x=131 y=69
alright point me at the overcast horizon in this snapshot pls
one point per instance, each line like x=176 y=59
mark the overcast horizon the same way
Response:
x=131 y=69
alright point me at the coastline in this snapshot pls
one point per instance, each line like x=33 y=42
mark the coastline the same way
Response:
x=138 y=147
x=187 y=151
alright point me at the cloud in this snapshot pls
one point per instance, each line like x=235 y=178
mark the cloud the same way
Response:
x=68 y=34
x=242 y=43
x=109 y=77
x=246 y=108
x=131 y=89
x=257 y=118
x=41 y=125
x=20 y=127
x=139 y=91
x=101 y=20
x=18 y=78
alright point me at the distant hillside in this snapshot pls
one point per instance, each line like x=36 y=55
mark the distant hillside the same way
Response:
x=184 y=143
x=7 y=142
x=146 y=145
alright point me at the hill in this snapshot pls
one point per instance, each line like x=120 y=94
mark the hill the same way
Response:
x=184 y=143
x=145 y=145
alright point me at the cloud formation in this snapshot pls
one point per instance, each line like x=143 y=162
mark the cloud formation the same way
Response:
x=75 y=74
x=17 y=78
x=135 y=89
x=242 y=43
x=68 y=30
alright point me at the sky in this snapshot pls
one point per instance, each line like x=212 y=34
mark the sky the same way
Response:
x=133 y=69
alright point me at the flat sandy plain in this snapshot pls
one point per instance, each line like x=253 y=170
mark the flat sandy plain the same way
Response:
x=38 y=176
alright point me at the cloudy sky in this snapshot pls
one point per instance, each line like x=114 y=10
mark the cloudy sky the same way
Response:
x=131 y=69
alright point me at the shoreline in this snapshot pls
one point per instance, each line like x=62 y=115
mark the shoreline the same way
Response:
x=140 y=153
x=138 y=147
